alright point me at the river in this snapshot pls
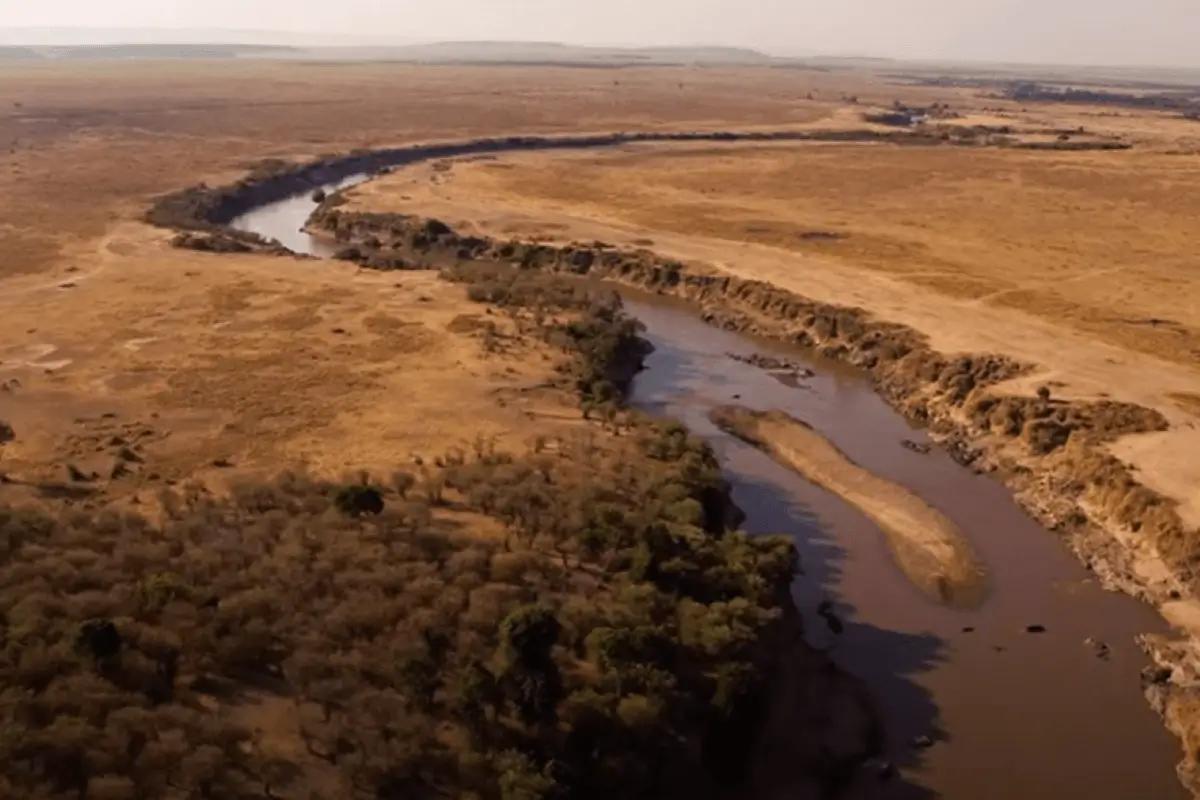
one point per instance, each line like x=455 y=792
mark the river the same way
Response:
x=1010 y=713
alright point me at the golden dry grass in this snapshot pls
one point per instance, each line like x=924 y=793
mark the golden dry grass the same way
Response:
x=1077 y=262
x=1101 y=241
x=234 y=357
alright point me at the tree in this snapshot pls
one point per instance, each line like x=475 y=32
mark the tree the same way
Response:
x=531 y=678
x=357 y=500
x=520 y=778
x=528 y=634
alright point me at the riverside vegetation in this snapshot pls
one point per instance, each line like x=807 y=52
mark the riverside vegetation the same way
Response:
x=578 y=620
x=1052 y=452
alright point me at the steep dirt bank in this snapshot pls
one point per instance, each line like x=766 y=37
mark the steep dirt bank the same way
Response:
x=1052 y=453
x=929 y=548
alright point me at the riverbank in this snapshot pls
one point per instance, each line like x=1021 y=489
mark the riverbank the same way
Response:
x=927 y=546
x=1053 y=453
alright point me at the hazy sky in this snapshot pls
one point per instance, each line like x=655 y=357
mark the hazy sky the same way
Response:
x=1163 y=32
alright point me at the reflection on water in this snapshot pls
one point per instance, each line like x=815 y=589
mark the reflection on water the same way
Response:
x=284 y=220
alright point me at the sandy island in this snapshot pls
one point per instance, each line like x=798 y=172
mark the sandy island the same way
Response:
x=928 y=547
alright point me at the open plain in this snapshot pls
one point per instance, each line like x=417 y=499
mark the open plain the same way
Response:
x=129 y=367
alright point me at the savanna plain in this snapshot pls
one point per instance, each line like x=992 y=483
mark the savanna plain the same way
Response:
x=289 y=527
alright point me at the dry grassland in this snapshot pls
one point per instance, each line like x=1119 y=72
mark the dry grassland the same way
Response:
x=1079 y=262
x=213 y=366
x=236 y=355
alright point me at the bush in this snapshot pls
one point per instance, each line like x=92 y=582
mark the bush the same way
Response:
x=357 y=500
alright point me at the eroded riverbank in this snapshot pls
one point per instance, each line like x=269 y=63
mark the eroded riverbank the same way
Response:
x=851 y=336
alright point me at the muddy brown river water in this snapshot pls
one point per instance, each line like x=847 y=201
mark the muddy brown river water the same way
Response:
x=1011 y=715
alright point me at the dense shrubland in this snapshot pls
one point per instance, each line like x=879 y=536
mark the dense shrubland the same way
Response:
x=577 y=620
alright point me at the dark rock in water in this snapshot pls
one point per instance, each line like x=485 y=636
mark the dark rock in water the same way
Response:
x=916 y=447
x=773 y=364
x=968 y=629
x=922 y=742
x=886 y=771
x=318 y=195
x=737 y=397
x=1035 y=628
x=1103 y=651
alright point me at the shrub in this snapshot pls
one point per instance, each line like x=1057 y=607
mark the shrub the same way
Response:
x=357 y=500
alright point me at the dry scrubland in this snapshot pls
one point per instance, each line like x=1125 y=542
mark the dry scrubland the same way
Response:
x=132 y=371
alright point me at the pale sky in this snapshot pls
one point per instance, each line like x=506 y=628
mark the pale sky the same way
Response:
x=1134 y=32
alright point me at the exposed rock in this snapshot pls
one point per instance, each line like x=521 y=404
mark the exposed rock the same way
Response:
x=1102 y=650
x=774 y=364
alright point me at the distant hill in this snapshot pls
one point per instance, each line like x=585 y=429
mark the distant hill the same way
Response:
x=146 y=51
x=549 y=53
x=208 y=51
x=18 y=52
x=554 y=52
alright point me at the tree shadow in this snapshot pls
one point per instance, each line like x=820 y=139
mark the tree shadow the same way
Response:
x=885 y=660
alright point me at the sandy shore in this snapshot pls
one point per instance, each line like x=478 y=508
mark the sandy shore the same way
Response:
x=928 y=547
